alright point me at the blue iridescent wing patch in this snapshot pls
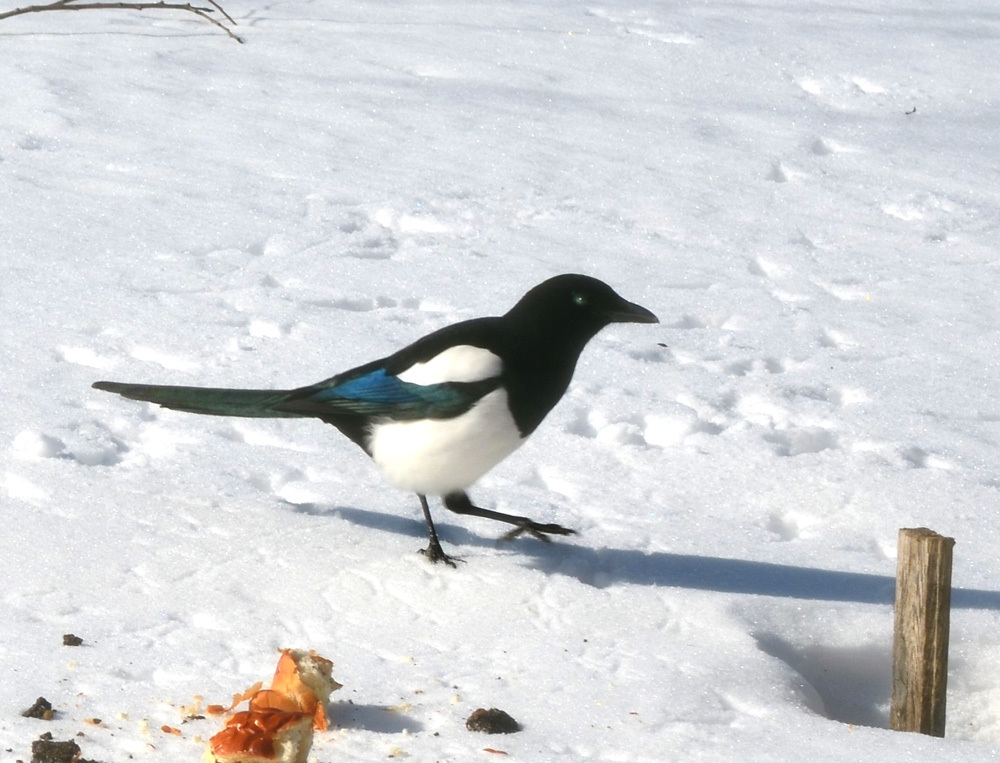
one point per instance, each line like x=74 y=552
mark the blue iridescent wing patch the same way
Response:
x=377 y=393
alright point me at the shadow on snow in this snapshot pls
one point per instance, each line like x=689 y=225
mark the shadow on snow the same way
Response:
x=608 y=566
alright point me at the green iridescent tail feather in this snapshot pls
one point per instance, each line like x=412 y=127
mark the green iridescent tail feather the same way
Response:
x=251 y=403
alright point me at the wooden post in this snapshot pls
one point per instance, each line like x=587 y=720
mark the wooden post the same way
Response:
x=920 y=641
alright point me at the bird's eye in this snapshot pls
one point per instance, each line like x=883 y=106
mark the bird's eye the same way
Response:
x=579 y=299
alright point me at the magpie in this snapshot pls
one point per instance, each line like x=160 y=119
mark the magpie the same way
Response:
x=438 y=414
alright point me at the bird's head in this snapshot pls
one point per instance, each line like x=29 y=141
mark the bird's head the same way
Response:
x=573 y=308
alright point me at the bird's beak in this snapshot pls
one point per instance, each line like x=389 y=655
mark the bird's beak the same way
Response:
x=629 y=312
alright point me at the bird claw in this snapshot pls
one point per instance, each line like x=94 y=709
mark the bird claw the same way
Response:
x=536 y=530
x=435 y=554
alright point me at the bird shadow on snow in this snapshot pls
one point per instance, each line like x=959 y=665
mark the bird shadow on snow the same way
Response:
x=393 y=523
x=604 y=567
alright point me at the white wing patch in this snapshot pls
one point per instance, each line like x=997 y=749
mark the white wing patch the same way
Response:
x=462 y=363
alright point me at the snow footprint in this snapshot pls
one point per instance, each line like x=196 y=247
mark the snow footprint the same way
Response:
x=798 y=440
x=778 y=275
x=98 y=446
x=783 y=172
x=772 y=366
x=935 y=217
x=918 y=458
x=844 y=92
x=668 y=427
x=836 y=339
x=828 y=147
x=791 y=525
x=791 y=434
x=384 y=232
x=595 y=424
x=368 y=237
x=31 y=444
x=291 y=486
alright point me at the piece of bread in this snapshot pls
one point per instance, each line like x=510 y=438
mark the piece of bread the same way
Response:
x=263 y=736
x=279 y=724
x=306 y=679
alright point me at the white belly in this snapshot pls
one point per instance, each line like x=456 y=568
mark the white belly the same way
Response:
x=441 y=457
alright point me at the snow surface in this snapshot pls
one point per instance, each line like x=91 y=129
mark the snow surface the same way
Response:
x=806 y=193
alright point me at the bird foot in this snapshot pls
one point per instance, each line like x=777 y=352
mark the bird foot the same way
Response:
x=435 y=554
x=536 y=530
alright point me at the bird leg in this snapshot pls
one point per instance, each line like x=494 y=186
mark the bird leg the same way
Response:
x=434 y=552
x=460 y=503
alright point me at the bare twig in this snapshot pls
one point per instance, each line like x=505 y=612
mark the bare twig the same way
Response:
x=73 y=5
x=222 y=10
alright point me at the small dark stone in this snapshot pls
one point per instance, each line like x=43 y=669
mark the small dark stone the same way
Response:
x=492 y=721
x=70 y=640
x=42 y=709
x=47 y=751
